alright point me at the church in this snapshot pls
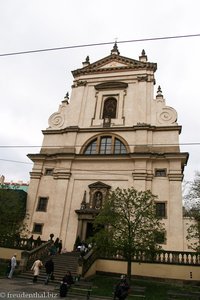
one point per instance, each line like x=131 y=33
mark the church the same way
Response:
x=111 y=131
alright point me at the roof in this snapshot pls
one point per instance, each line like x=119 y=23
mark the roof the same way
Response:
x=16 y=186
x=114 y=62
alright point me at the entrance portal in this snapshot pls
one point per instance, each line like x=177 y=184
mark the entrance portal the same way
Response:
x=90 y=230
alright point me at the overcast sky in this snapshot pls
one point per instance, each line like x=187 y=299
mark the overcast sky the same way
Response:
x=33 y=85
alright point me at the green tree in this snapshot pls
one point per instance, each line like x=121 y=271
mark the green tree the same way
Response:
x=192 y=202
x=12 y=212
x=126 y=223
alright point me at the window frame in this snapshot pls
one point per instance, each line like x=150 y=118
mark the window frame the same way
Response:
x=34 y=228
x=161 y=215
x=97 y=142
x=41 y=206
x=48 y=172
x=105 y=103
x=160 y=172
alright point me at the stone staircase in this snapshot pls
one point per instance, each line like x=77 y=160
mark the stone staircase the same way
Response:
x=62 y=263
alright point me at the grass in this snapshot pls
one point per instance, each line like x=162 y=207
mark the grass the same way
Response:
x=154 y=290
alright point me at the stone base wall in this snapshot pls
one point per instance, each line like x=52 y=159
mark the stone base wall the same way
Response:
x=151 y=270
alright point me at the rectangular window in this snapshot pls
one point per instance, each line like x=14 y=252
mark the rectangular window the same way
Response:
x=160 y=172
x=161 y=209
x=42 y=204
x=37 y=228
x=48 y=172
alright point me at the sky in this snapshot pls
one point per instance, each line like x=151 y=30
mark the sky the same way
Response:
x=32 y=86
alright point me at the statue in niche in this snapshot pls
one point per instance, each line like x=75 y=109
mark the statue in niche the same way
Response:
x=98 y=200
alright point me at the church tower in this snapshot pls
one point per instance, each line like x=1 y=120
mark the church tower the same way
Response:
x=110 y=132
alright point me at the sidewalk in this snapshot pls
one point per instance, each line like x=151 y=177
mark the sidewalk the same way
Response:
x=23 y=289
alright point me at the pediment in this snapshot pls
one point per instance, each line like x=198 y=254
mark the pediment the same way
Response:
x=113 y=63
x=99 y=185
x=108 y=85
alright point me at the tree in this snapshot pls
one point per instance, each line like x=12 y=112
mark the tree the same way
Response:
x=126 y=223
x=192 y=200
x=12 y=212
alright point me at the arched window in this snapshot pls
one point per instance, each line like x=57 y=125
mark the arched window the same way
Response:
x=110 y=108
x=105 y=145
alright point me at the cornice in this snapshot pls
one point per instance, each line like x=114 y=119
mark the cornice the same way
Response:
x=36 y=174
x=113 y=129
x=133 y=155
x=38 y=157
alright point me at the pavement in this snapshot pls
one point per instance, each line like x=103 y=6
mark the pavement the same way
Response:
x=24 y=289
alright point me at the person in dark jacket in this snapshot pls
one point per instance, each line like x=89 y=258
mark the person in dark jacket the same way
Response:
x=49 y=266
x=122 y=289
x=65 y=284
x=60 y=246
x=68 y=278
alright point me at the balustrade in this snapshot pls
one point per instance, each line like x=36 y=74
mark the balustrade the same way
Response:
x=28 y=257
x=160 y=256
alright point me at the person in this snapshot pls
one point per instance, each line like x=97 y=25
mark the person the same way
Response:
x=56 y=244
x=63 y=289
x=8 y=268
x=30 y=242
x=53 y=250
x=65 y=284
x=13 y=264
x=89 y=246
x=82 y=249
x=49 y=266
x=122 y=289
x=59 y=246
x=37 y=265
x=68 y=278
x=63 y=251
x=38 y=242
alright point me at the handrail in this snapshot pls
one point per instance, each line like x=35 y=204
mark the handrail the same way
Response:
x=28 y=257
x=20 y=243
x=88 y=259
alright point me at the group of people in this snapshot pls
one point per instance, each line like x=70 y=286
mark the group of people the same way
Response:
x=66 y=282
x=120 y=292
x=49 y=267
x=83 y=247
x=56 y=247
x=33 y=243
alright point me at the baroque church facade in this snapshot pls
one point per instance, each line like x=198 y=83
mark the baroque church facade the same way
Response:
x=111 y=133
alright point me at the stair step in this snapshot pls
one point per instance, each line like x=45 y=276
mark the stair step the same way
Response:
x=62 y=263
